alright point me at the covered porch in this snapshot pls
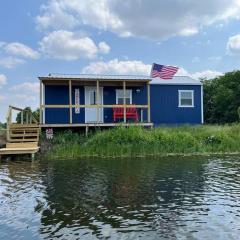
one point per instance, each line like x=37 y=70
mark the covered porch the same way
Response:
x=94 y=101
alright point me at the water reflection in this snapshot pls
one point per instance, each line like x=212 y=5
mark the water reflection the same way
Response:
x=121 y=199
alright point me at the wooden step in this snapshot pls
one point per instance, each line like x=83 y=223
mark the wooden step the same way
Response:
x=24 y=129
x=8 y=151
x=23 y=135
x=22 y=145
x=18 y=125
x=22 y=140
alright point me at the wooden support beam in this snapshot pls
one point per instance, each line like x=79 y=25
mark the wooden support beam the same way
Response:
x=9 y=121
x=41 y=106
x=21 y=117
x=27 y=118
x=95 y=106
x=124 y=101
x=70 y=100
x=98 y=102
x=149 y=104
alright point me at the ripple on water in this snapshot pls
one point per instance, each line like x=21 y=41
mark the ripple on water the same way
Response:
x=121 y=199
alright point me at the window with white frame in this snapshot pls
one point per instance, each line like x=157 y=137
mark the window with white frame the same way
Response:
x=119 y=96
x=185 y=98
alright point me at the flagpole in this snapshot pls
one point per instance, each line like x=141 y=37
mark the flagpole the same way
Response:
x=151 y=70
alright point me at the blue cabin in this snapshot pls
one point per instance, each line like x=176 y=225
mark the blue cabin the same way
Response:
x=110 y=100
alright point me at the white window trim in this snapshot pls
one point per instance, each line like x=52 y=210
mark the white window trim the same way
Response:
x=117 y=94
x=179 y=98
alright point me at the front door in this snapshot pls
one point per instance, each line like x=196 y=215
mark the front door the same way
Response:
x=91 y=99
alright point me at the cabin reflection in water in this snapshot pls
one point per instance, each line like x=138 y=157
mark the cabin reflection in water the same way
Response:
x=121 y=195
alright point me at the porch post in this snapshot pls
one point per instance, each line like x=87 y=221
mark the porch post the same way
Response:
x=21 y=117
x=40 y=110
x=124 y=100
x=97 y=101
x=149 y=104
x=70 y=100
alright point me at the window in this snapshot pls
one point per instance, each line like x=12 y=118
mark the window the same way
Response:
x=185 y=98
x=92 y=97
x=119 y=97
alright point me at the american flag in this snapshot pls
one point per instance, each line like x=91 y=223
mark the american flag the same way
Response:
x=162 y=71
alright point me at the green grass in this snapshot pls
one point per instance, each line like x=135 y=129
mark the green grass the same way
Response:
x=139 y=142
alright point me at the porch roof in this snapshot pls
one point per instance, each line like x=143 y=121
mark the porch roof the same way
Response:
x=95 y=77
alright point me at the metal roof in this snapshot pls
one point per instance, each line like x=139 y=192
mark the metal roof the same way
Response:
x=176 y=80
x=88 y=77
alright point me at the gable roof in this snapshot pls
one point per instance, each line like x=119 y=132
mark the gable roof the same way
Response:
x=176 y=80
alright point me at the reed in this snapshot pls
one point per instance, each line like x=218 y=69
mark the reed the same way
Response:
x=140 y=142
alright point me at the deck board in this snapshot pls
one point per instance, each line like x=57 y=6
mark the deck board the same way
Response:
x=8 y=151
x=96 y=125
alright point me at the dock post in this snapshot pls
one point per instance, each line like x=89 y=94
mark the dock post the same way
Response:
x=32 y=156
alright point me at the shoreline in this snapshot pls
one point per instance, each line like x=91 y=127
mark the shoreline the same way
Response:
x=182 y=155
x=136 y=142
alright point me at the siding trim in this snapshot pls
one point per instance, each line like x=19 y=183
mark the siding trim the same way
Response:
x=44 y=109
x=202 y=114
x=179 y=98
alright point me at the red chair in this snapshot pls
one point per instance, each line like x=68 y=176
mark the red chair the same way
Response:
x=131 y=112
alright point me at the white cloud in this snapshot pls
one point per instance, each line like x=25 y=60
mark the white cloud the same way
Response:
x=69 y=46
x=56 y=16
x=26 y=87
x=145 y=18
x=138 y=67
x=22 y=50
x=3 y=80
x=208 y=74
x=233 y=45
x=10 y=62
x=118 y=67
x=103 y=48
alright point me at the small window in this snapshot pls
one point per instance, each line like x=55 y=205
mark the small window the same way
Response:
x=185 y=98
x=92 y=97
x=119 y=97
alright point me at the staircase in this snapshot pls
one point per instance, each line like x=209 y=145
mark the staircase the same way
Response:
x=23 y=133
x=22 y=138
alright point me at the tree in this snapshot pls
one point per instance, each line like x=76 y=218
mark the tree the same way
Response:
x=27 y=110
x=222 y=98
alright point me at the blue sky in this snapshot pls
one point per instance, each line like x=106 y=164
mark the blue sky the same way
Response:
x=112 y=37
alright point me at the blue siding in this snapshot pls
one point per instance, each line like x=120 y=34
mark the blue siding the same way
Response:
x=56 y=95
x=164 y=105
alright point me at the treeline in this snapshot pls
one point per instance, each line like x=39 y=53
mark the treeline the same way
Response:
x=222 y=98
x=27 y=110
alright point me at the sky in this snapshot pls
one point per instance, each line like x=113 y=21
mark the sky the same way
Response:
x=40 y=37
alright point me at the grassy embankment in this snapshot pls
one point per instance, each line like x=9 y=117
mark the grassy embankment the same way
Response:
x=138 y=142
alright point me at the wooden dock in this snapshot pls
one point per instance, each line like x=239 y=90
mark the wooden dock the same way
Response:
x=21 y=138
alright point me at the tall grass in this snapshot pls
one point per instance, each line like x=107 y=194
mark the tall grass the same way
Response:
x=138 y=142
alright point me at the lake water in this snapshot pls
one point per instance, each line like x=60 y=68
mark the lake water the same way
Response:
x=165 y=198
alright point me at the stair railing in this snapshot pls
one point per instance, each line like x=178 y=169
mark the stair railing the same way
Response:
x=30 y=119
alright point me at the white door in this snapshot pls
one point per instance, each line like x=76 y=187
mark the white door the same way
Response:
x=91 y=99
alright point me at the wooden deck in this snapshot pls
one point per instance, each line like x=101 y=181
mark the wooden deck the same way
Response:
x=20 y=148
x=96 y=125
x=21 y=138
